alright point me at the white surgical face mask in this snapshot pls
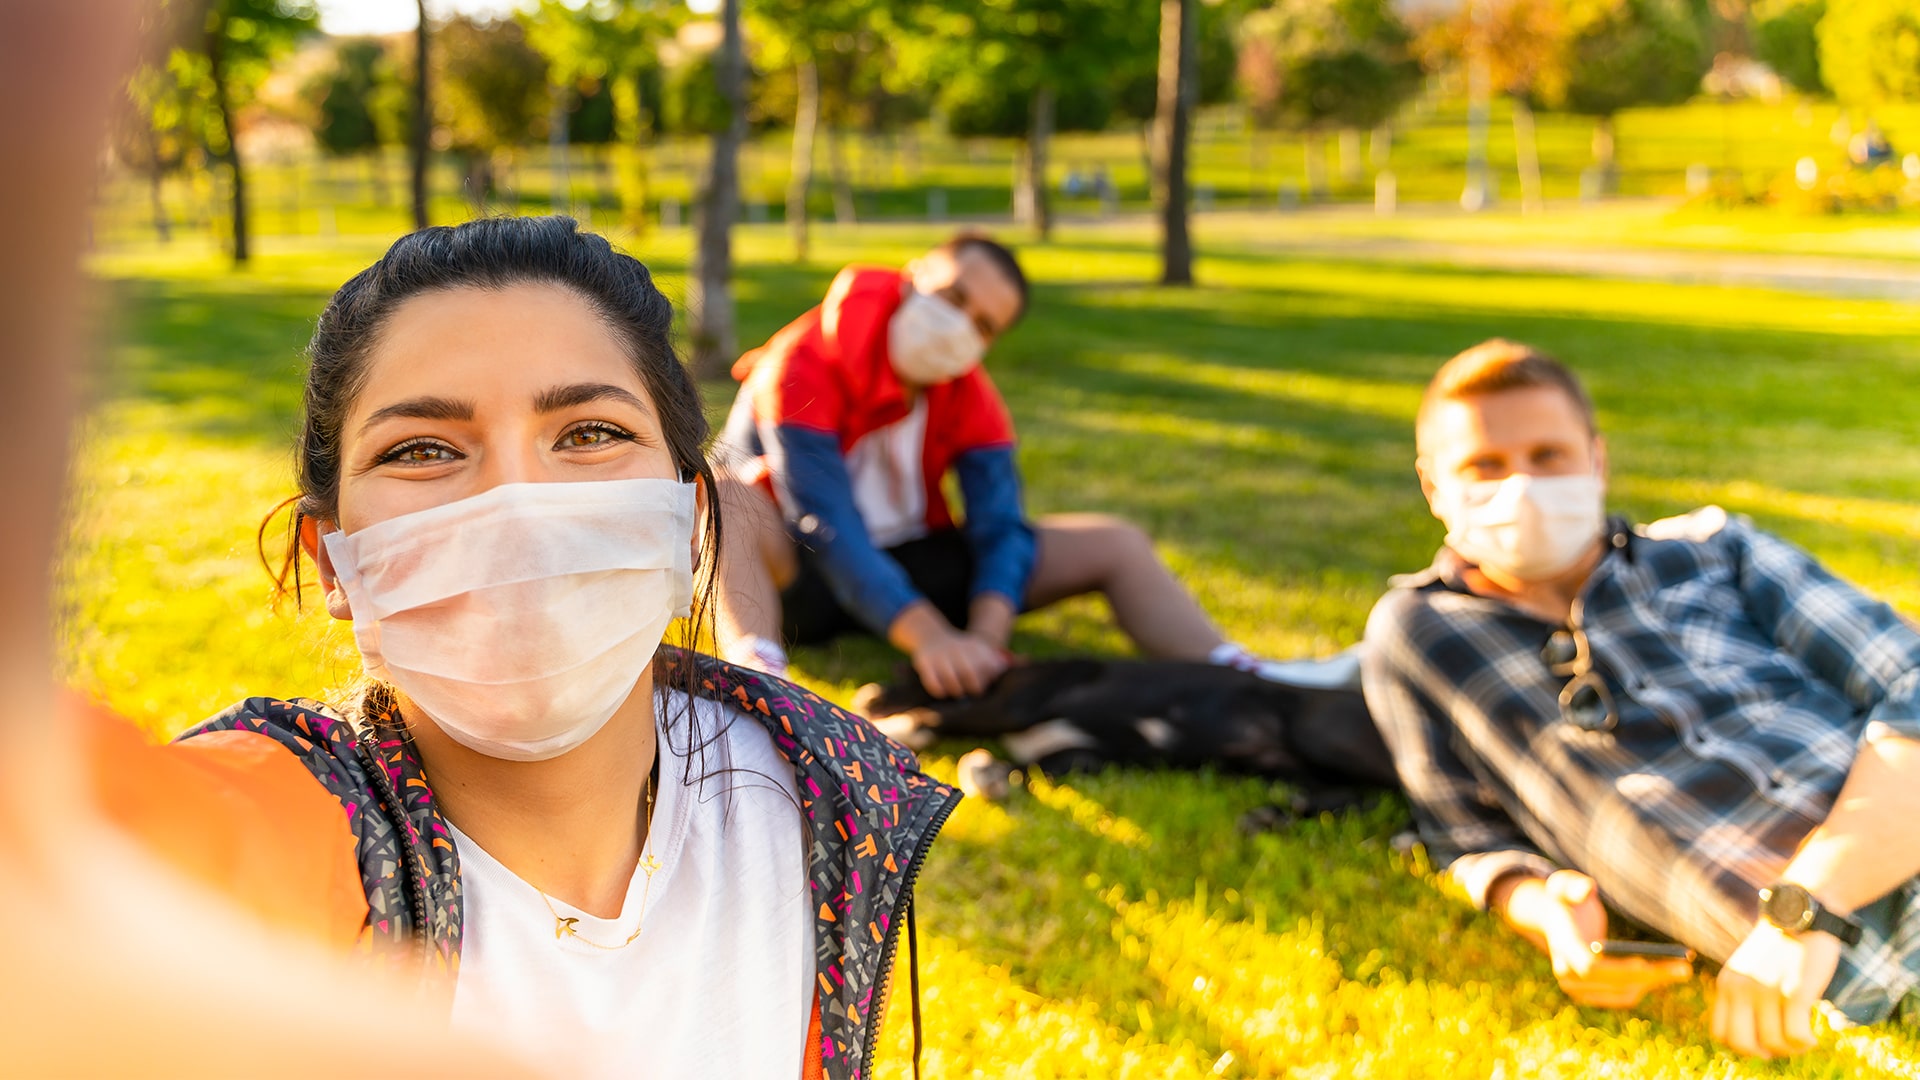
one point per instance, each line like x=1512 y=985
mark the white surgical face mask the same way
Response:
x=1532 y=528
x=930 y=341
x=520 y=619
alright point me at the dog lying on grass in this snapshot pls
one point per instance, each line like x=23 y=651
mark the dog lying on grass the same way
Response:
x=1064 y=716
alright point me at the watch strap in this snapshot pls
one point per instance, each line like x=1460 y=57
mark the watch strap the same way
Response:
x=1839 y=926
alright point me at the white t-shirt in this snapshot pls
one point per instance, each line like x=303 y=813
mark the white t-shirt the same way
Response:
x=886 y=472
x=720 y=981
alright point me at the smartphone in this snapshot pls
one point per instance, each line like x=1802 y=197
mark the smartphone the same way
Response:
x=1652 y=950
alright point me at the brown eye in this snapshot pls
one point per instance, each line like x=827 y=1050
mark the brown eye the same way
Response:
x=419 y=452
x=593 y=436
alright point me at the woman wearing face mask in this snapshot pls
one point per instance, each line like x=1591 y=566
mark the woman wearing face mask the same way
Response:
x=847 y=425
x=623 y=858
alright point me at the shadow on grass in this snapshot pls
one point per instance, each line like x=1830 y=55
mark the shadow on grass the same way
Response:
x=221 y=359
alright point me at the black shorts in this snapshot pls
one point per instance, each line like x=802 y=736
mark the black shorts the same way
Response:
x=939 y=564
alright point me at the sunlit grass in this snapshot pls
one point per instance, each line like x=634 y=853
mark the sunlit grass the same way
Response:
x=1116 y=925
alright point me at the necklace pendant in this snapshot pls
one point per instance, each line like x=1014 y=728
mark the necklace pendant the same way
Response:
x=650 y=864
x=563 y=927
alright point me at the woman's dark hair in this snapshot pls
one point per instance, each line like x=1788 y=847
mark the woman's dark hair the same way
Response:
x=492 y=253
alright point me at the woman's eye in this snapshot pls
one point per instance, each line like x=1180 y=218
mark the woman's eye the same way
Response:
x=593 y=436
x=419 y=452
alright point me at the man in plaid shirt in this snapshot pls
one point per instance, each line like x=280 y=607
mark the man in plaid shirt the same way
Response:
x=1693 y=721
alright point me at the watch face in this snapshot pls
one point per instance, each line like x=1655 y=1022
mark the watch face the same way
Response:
x=1788 y=907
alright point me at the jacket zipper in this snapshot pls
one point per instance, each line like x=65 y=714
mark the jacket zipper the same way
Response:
x=410 y=859
x=894 y=922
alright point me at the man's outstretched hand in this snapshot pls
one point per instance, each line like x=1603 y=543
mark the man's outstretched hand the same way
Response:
x=1563 y=914
x=1763 y=1001
x=950 y=662
x=958 y=664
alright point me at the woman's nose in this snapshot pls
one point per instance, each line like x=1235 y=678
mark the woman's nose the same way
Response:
x=512 y=460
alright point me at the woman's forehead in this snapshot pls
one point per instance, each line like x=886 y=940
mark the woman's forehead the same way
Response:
x=509 y=342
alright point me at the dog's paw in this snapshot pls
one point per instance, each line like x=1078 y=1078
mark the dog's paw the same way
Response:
x=906 y=730
x=984 y=776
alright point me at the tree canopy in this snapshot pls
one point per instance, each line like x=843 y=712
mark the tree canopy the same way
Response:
x=1315 y=64
x=1870 y=51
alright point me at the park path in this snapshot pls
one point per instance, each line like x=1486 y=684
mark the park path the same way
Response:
x=1884 y=279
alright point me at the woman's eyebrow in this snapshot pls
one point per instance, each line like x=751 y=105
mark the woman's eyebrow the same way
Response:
x=555 y=398
x=421 y=408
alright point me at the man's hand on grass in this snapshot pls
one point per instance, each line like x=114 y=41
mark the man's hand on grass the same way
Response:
x=950 y=662
x=1562 y=913
x=958 y=664
x=1763 y=1001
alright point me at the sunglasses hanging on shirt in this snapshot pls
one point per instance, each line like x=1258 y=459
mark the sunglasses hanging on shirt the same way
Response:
x=1585 y=702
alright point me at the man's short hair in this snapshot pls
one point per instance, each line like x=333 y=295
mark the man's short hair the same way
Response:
x=996 y=253
x=1499 y=365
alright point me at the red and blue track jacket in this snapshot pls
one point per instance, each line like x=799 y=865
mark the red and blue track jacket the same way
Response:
x=824 y=421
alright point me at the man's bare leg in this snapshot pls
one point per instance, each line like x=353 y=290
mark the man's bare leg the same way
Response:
x=1084 y=553
x=756 y=561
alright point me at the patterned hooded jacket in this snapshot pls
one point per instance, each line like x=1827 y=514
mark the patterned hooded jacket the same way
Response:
x=871 y=815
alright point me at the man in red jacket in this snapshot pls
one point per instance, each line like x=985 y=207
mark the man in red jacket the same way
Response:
x=833 y=461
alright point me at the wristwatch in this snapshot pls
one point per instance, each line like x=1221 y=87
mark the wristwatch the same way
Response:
x=1794 y=910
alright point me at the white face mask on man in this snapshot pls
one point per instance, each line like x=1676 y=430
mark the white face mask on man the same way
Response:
x=521 y=619
x=1532 y=528
x=930 y=341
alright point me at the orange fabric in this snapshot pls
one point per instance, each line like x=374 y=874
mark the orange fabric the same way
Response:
x=237 y=813
x=812 y=1068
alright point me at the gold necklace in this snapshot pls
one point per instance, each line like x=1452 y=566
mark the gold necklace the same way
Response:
x=564 y=927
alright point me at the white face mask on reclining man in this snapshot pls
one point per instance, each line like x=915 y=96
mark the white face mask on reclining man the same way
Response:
x=1533 y=528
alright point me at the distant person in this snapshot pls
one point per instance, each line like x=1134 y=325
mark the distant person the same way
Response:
x=1691 y=721
x=1869 y=149
x=848 y=423
x=577 y=834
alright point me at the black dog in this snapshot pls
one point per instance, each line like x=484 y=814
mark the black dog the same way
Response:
x=1071 y=715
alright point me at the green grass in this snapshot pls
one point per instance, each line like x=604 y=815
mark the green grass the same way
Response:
x=1259 y=426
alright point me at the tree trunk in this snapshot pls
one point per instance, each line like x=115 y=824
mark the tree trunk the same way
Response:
x=1256 y=164
x=1526 y=154
x=843 y=205
x=1350 y=168
x=1603 y=156
x=1477 y=195
x=1146 y=162
x=1172 y=122
x=422 y=119
x=715 y=343
x=1313 y=147
x=1031 y=205
x=156 y=177
x=561 y=197
x=378 y=190
x=629 y=151
x=217 y=75
x=1380 y=147
x=806 y=120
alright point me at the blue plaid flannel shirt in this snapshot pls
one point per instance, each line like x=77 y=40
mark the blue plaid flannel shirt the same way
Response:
x=1745 y=677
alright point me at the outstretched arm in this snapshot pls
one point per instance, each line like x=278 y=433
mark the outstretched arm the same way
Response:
x=1867 y=846
x=1001 y=540
x=864 y=579
x=1764 y=1001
